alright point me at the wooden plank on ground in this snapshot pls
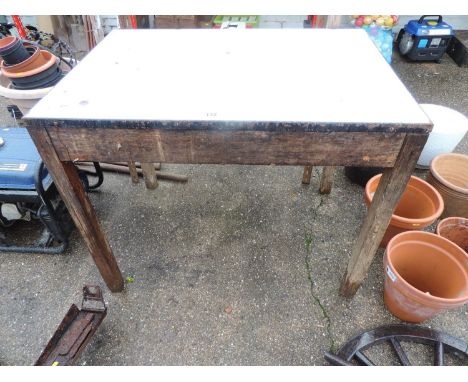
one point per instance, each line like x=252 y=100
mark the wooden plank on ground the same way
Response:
x=307 y=174
x=133 y=172
x=149 y=173
x=326 y=181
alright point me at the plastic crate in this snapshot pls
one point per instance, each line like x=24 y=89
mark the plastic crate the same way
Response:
x=250 y=21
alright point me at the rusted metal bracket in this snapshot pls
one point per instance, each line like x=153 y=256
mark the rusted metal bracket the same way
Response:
x=75 y=330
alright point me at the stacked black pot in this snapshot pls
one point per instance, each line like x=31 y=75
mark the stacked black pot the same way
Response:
x=12 y=50
x=27 y=66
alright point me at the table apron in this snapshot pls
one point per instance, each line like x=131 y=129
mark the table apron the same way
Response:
x=227 y=147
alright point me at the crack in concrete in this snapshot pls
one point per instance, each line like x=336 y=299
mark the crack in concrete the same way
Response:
x=308 y=245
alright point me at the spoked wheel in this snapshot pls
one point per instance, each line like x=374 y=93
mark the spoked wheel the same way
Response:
x=403 y=340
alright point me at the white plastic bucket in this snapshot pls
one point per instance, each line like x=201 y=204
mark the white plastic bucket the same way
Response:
x=450 y=127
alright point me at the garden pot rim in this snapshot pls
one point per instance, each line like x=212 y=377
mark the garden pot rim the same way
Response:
x=411 y=221
x=449 y=190
x=5 y=67
x=452 y=221
x=449 y=219
x=7 y=45
x=49 y=58
x=420 y=295
x=440 y=179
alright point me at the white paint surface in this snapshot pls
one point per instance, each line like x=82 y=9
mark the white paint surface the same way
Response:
x=310 y=75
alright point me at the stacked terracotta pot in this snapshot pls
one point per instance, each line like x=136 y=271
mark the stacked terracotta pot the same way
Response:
x=27 y=66
x=425 y=273
x=449 y=175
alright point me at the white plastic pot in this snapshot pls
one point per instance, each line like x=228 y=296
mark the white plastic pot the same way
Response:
x=450 y=127
x=25 y=99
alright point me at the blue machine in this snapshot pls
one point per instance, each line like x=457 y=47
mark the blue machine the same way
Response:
x=28 y=193
x=425 y=39
x=19 y=161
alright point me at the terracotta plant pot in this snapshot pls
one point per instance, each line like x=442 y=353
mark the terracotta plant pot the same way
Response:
x=425 y=274
x=419 y=207
x=449 y=175
x=454 y=229
x=39 y=61
x=12 y=50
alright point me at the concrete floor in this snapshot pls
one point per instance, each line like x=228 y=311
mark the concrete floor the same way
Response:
x=222 y=274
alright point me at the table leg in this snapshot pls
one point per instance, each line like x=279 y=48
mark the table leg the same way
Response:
x=149 y=173
x=307 y=174
x=81 y=210
x=391 y=187
x=326 y=182
x=133 y=172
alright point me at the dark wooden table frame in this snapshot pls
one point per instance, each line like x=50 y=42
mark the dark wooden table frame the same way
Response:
x=395 y=147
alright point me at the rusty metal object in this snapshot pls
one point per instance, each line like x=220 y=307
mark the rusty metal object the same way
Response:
x=125 y=170
x=157 y=166
x=351 y=353
x=75 y=331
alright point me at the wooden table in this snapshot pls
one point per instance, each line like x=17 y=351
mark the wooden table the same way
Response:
x=253 y=97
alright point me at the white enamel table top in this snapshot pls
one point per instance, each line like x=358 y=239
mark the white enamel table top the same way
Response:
x=295 y=75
